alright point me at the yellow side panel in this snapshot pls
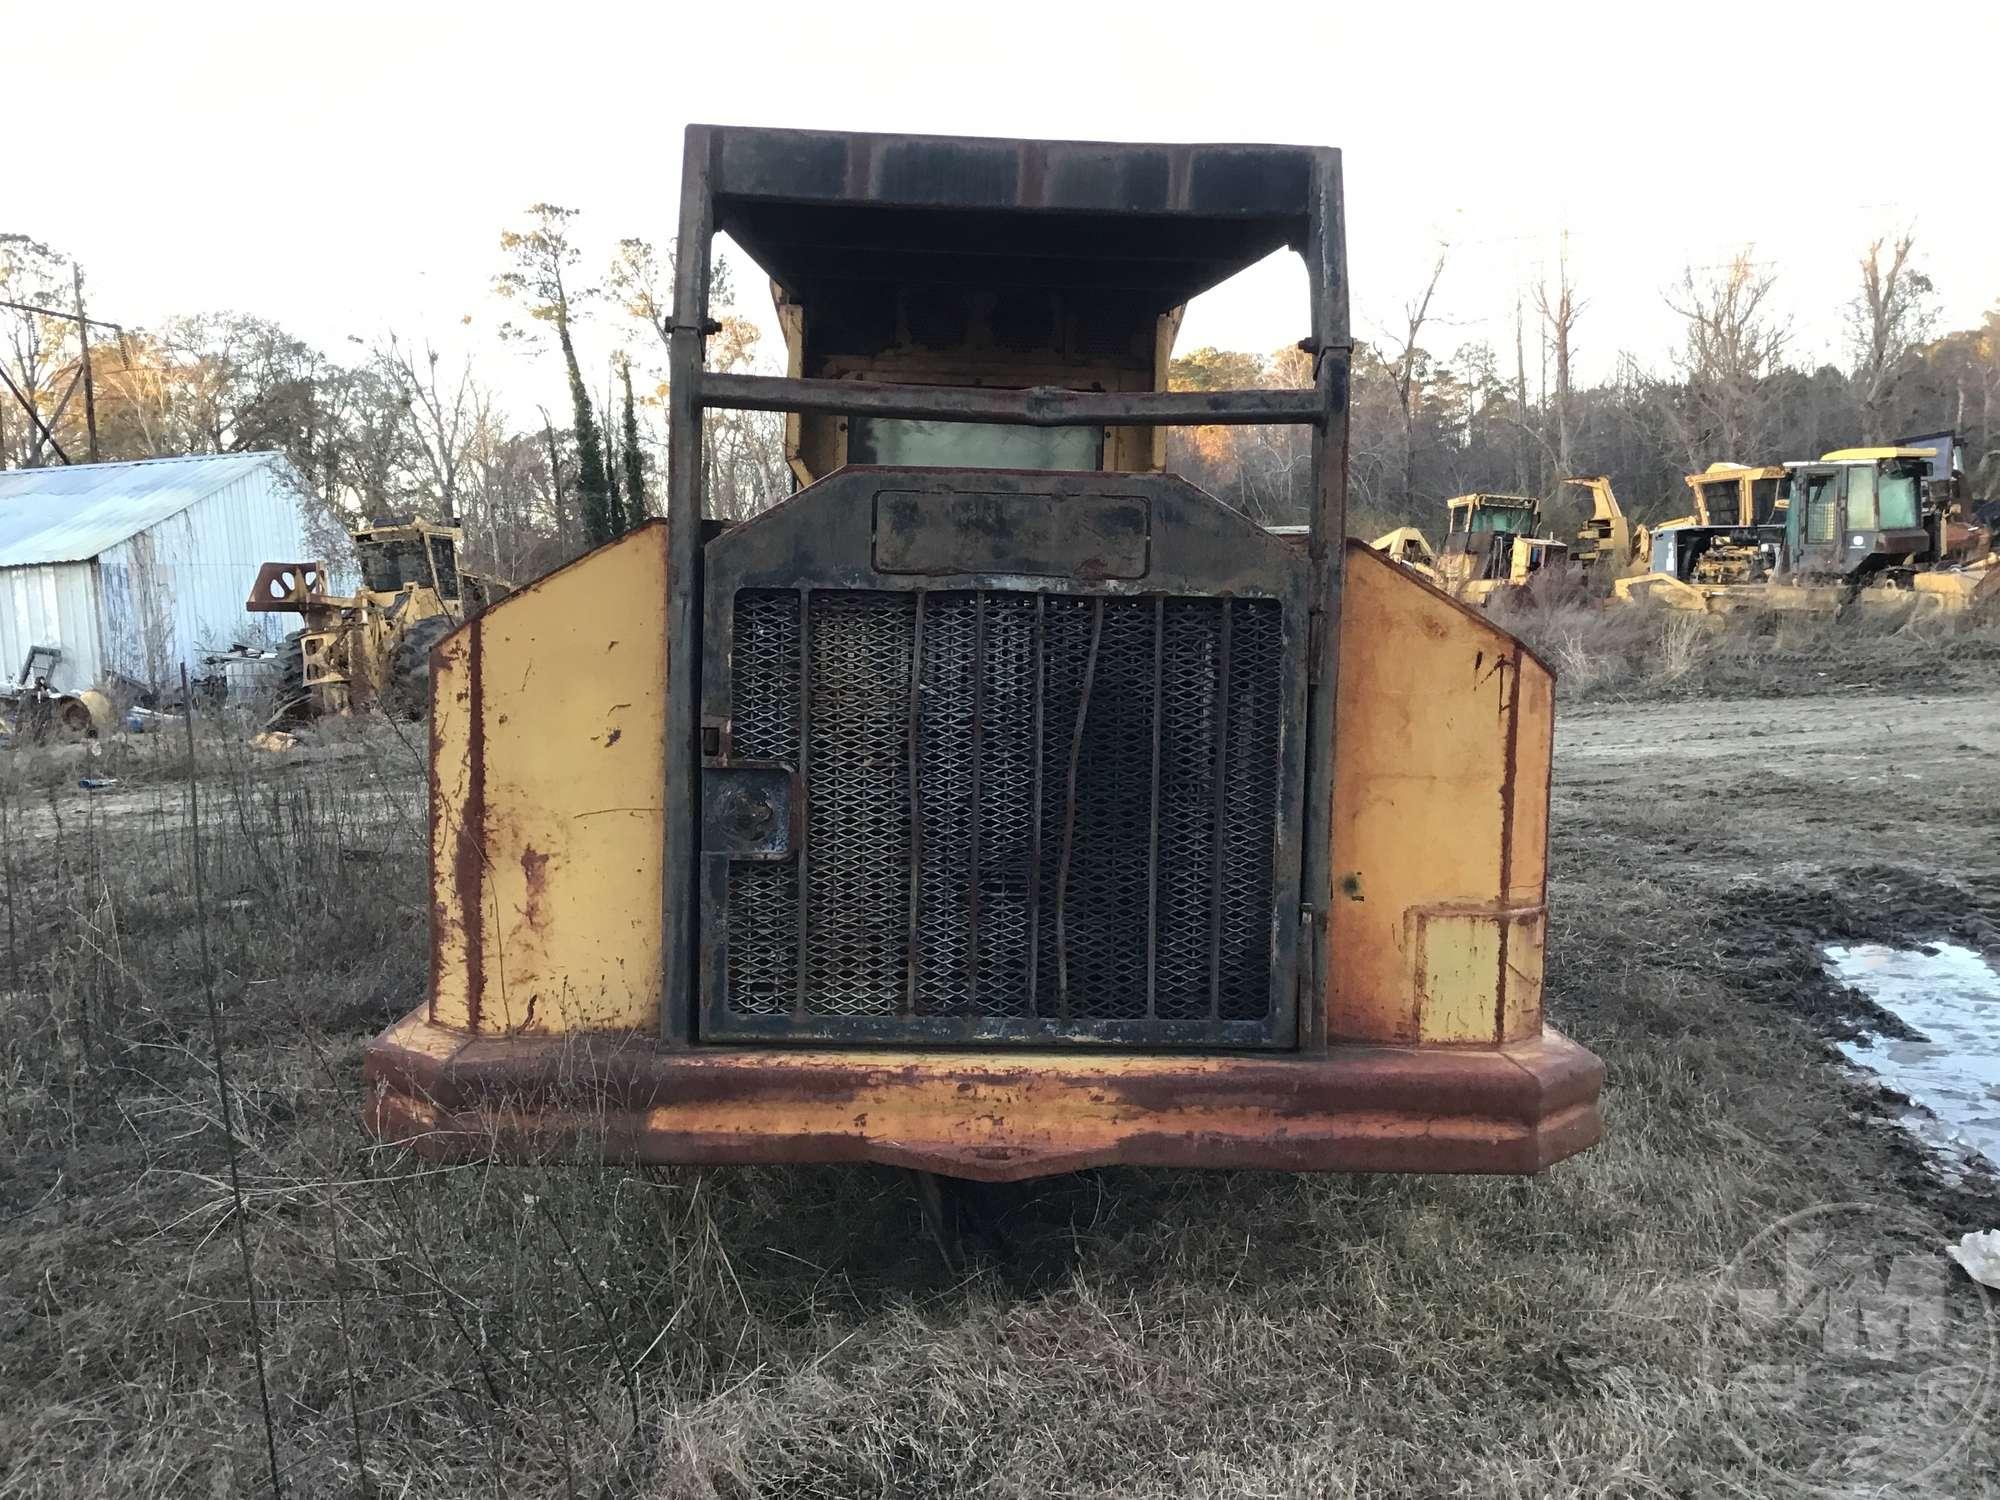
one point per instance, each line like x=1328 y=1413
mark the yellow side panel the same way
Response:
x=1440 y=817
x=1456 y=958
x=1476 y=972
x=547 y=774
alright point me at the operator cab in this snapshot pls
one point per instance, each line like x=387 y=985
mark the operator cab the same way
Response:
x=398 y=552
x=1858 y=511
x=1727 y=494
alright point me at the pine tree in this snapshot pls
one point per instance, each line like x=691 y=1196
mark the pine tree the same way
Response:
x=615 y=507
x=635 y=474
x=599 y=520
x=539 y=258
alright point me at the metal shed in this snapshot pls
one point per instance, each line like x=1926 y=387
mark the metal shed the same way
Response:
x=136 y=569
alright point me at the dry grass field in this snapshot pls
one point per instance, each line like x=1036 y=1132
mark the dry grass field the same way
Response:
x=576 y=1330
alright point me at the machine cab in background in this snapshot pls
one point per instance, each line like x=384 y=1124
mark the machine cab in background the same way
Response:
x=1857 y=511
x=1491 y=544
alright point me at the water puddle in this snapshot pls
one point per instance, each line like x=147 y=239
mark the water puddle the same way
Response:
x=1950 y=996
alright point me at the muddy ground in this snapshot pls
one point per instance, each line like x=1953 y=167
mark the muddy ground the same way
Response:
x=568 y=1329
x=1775 y=827
x=1792 y=821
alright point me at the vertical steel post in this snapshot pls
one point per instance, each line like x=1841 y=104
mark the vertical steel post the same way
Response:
x=678 y=975
x=83 y=339
x=1326 y=272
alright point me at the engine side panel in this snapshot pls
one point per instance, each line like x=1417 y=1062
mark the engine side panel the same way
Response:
x=547 y=777
x=1444 y=734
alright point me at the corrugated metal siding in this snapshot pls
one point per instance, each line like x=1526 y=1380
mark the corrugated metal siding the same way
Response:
x=175 y=592
x=55 y=605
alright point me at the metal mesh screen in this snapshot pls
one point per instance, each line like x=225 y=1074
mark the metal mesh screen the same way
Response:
x=1043 y=814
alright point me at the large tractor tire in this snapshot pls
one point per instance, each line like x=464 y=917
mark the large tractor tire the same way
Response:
x=407 y=693
x=291 y=700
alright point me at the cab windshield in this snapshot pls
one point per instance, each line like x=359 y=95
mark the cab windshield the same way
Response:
x=1720 y=502
x=1896 y=493
x=1512 y=519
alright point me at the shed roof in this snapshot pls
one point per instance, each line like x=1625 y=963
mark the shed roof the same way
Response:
x=73 y=513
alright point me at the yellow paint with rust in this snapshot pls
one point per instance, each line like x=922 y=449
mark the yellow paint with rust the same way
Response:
x=1005 y=1115
x=1444 y=733
x=548 y=767
x=1953 y=590
x=549 y=770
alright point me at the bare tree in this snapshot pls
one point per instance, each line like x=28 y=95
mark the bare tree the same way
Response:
x=550 y=447
x=1521 y=435
x=641 y=281
x=540 y=260
x=1730 y=357
x=1887 y=320
x=742 y=452
x=445 y=420
x=1406 y=362
x=1559 y=315
x=743 y=457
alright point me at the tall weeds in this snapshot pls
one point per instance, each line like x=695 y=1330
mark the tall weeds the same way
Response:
x=1604 y=650
x=575 y=1329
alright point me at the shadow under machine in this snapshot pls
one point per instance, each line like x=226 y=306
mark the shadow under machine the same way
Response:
x=999 y=803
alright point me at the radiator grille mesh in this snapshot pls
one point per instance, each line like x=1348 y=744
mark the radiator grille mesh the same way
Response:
x=1019 y=807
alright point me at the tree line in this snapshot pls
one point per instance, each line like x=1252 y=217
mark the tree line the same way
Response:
x=1423 y=426
x=391 y=427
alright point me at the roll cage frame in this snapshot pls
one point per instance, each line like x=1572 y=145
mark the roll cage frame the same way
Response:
x=1184 y=218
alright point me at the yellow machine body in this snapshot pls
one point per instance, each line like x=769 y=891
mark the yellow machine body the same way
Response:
x=1611 y=544
x=546 y=838
x=1409 y=1032
x=1410 y=547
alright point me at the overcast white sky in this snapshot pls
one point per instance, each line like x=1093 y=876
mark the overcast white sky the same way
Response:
x=346 y=169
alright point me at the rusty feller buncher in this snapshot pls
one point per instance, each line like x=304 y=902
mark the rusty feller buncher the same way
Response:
x=371 y=649
x=998 y=804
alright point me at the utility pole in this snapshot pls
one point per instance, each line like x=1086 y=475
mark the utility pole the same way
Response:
x=83 y=337
x=84 y=324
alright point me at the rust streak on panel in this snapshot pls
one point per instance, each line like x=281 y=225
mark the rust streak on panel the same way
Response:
x=469 y=853
x=1509 y=768
x=440 y=910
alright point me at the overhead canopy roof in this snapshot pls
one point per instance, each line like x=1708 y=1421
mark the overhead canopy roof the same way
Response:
x=75 y=512
x=1735 y=471
x=1159 y=223
x=1875 y=455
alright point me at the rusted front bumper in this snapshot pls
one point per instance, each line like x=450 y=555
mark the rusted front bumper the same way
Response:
x=993 y=1116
